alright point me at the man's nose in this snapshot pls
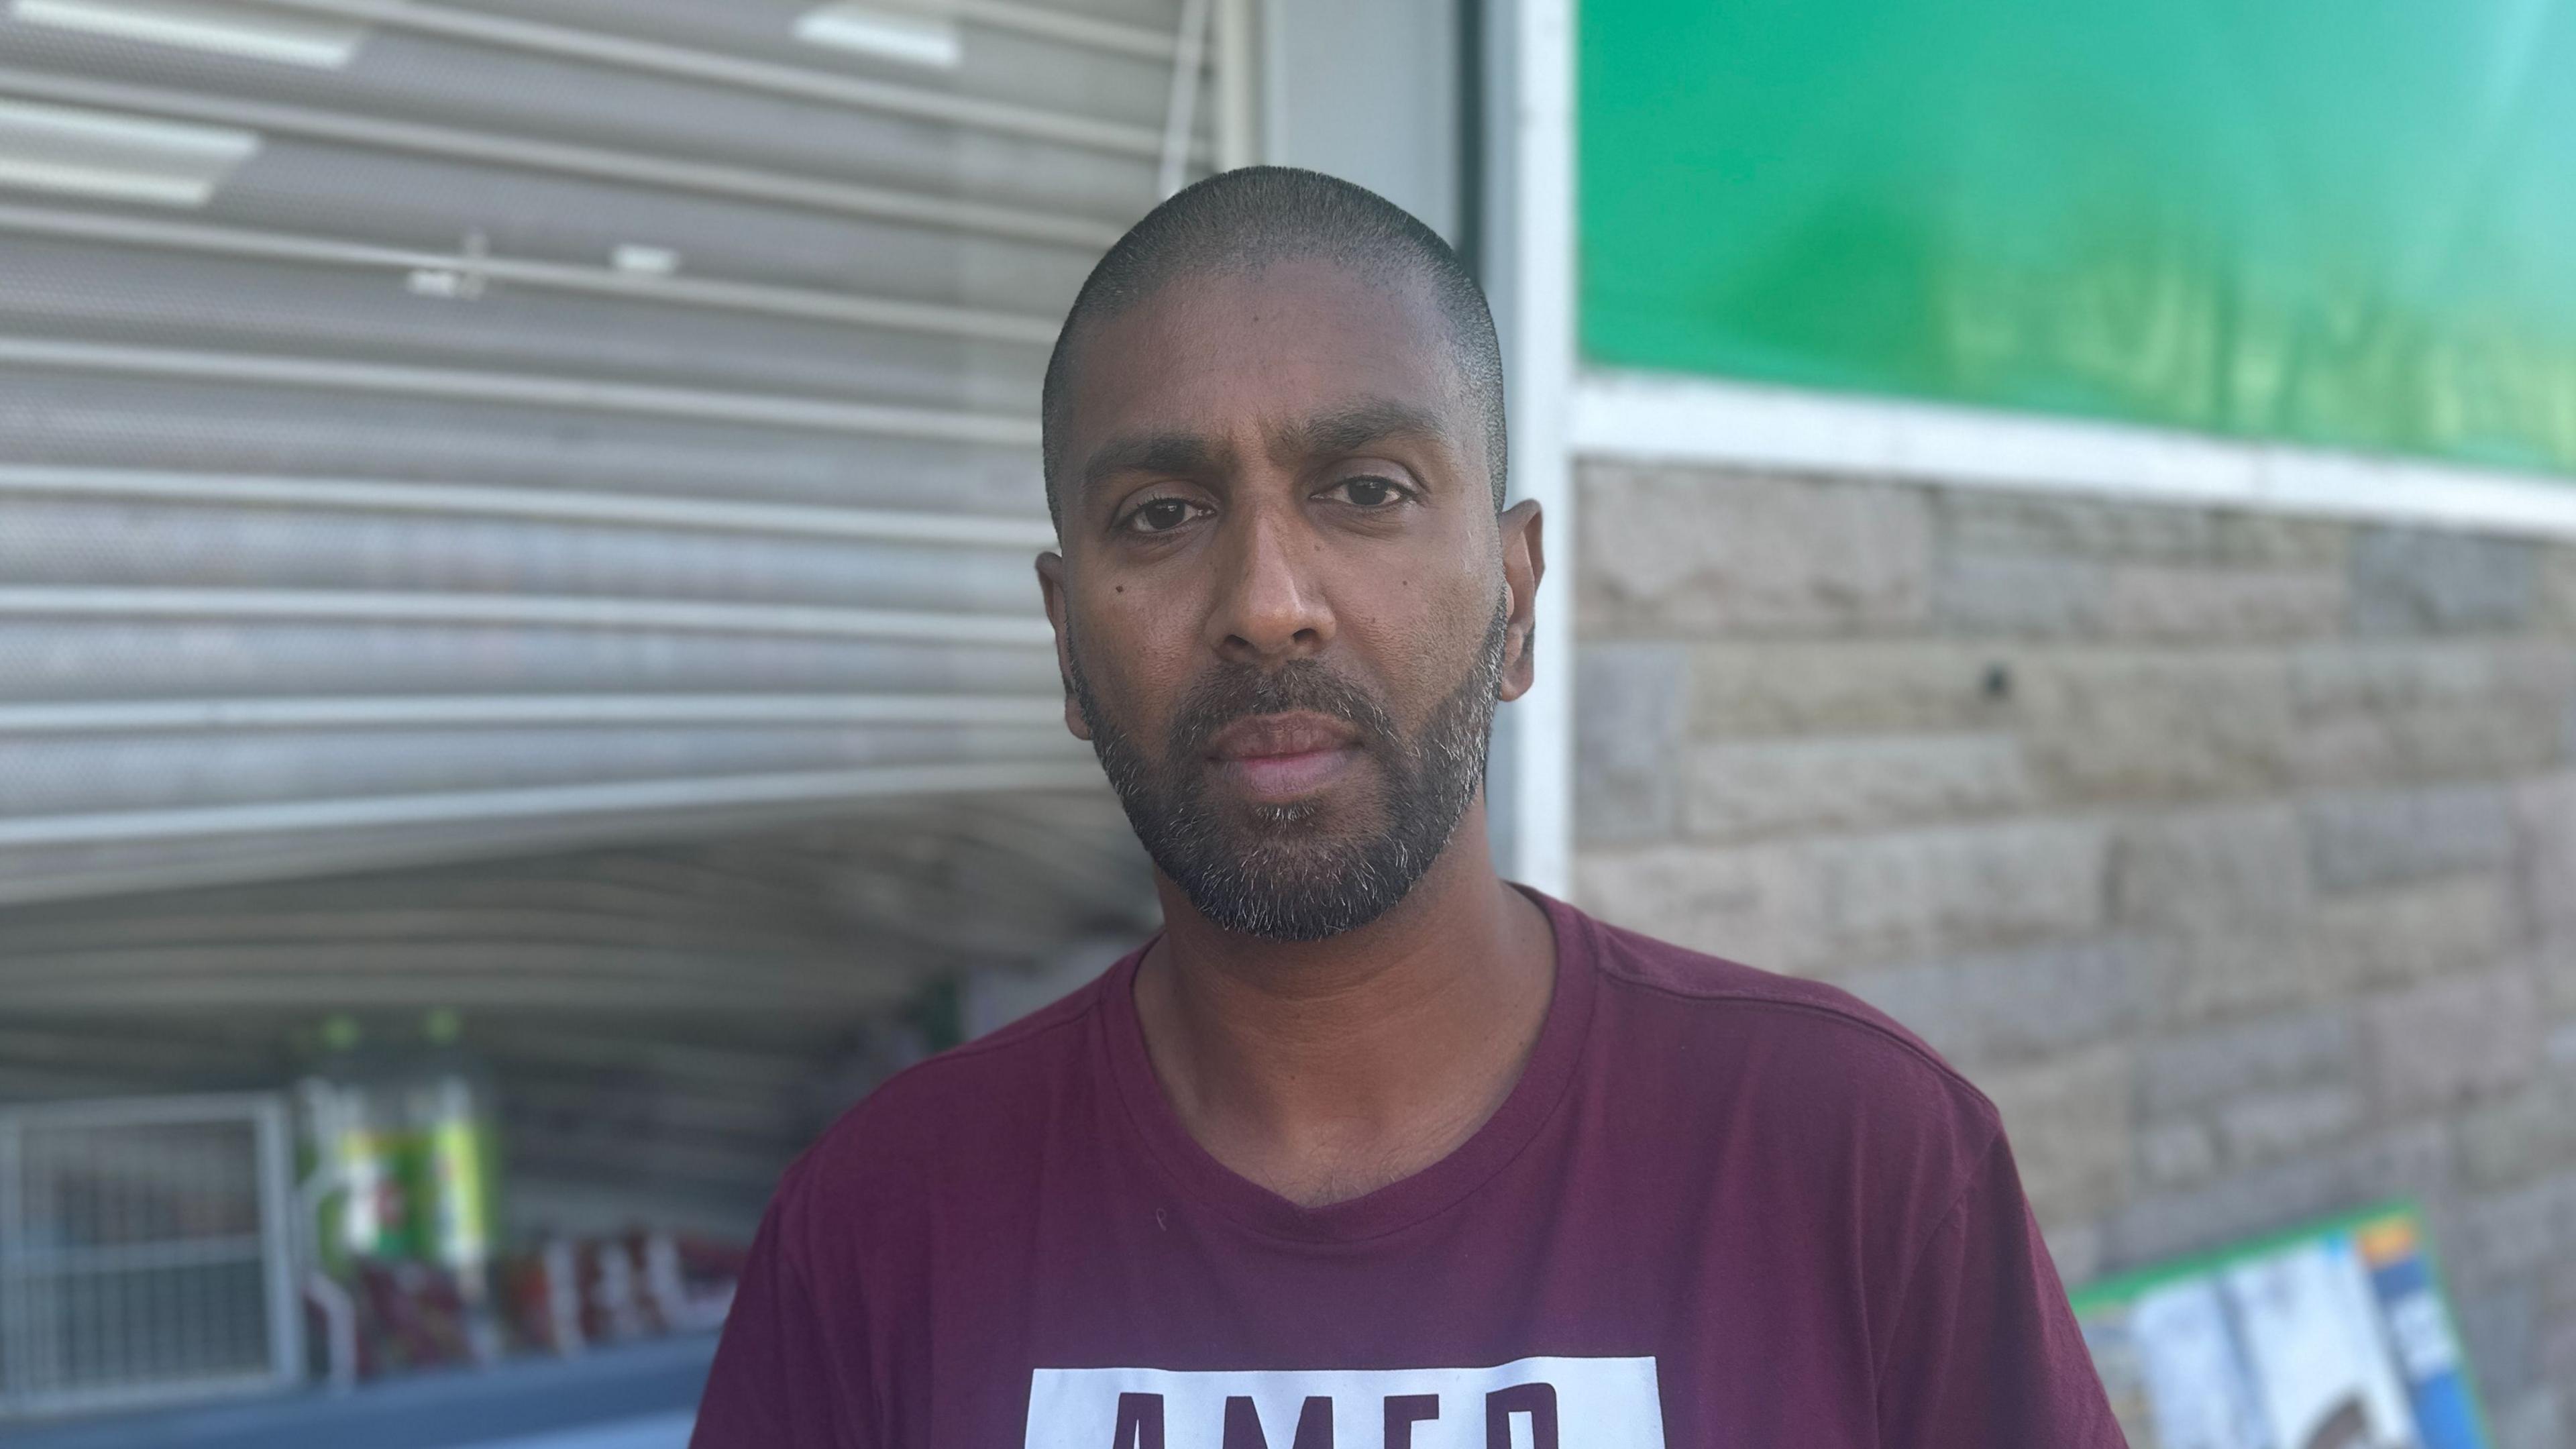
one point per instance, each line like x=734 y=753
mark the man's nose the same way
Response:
x=1270 y=603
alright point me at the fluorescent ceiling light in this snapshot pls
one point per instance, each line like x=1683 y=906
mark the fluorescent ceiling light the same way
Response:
x=323 y=42
x=912 y=38
x=644 y=260
x=112 y=154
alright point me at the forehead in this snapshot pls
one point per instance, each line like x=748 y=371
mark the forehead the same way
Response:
x=1229 y=350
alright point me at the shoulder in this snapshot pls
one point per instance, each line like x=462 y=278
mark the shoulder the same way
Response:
x=1790 y=1099
x=1795 y=1045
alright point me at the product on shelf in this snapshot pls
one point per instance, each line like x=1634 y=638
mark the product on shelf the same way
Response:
x=403 y=1152
x=456 y=1174
x=356 y=1138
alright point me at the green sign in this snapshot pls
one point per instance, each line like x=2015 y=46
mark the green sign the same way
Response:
x=2309 y=220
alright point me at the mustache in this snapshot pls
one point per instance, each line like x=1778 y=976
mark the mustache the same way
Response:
x=1234 y=691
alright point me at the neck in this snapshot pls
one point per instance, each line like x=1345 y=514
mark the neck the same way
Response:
x=1326 y=1069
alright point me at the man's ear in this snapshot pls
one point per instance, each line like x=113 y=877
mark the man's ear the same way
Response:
x=1051 y=588
x=1524 y=564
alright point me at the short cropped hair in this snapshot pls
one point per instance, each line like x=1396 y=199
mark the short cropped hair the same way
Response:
x=1242 y=220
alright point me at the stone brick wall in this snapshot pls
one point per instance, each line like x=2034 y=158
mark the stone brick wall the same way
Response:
x=2233 y=854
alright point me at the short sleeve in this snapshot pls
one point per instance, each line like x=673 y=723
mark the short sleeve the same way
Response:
x=1986 y=1350
x=780 y=1379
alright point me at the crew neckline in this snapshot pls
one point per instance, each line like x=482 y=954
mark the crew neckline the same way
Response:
x=1544 y=1078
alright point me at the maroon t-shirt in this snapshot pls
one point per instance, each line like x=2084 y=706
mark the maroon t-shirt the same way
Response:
x=1720 y=1208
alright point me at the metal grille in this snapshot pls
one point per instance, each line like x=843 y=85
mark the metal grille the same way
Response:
x=143 y=1253
x=458 y=428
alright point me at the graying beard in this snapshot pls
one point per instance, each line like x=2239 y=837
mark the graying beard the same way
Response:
x=1283 y=890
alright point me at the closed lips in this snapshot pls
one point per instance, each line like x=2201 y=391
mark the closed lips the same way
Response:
x=1272 y=735
x=1281 y=757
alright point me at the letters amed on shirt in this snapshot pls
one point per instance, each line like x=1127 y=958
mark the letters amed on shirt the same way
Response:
x=1530 y=1403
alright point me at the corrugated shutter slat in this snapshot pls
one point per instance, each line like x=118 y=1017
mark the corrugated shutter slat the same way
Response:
x=444 y=430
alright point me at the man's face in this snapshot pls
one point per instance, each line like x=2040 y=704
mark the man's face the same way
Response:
x=1285 y=609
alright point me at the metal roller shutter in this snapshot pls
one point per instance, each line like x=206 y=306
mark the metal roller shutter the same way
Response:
x=446 y=429
x=666 y=1025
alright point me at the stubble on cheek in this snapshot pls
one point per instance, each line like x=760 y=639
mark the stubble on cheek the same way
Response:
x=1305 y=868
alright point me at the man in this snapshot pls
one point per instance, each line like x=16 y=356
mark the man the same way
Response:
x=1368 y=1147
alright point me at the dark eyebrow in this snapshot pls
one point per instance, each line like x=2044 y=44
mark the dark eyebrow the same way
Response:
x=1353 y=428
x=1189 y=455
x=1184 y=455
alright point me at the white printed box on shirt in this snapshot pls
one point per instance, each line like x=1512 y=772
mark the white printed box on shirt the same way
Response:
x=1531 y=1403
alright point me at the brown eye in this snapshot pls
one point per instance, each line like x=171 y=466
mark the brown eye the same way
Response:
x=1160 y=515
x=1371 y=493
